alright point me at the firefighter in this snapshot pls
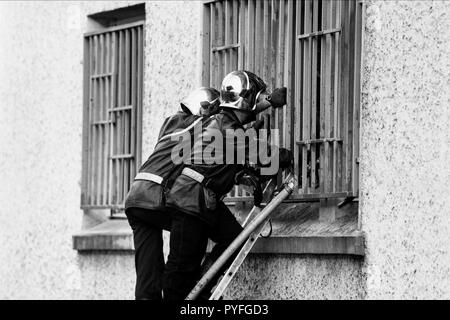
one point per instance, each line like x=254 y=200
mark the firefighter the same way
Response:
x=145 y=203
x=199 y=213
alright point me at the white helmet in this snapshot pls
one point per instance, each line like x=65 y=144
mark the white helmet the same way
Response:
x=201 y=101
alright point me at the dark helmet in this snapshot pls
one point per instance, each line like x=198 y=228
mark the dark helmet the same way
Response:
x=201 y=101
x=240 y=90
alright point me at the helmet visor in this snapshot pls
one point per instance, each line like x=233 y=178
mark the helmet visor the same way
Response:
x=233 y=87
x=194 y=100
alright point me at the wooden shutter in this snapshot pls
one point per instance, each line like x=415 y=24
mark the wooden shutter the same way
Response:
x=327 y=80
x=251 y=35
x=113 y=64
x=314 y=49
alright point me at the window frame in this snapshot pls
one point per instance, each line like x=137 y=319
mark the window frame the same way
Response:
x=349 y=48
x=113 y=88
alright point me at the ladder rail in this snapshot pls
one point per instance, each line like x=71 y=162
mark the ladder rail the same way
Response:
x=232 y=270
x=267 y=196
x=245 y=250
x=243 y=236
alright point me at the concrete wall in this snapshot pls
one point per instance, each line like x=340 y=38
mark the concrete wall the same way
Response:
x=405 y=176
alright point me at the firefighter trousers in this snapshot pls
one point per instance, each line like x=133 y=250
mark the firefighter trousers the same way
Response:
x=188 y=242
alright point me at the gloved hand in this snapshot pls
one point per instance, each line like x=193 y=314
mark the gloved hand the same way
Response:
x=286 y=158
x=258 y=124
x=251 y=180
x=278 y=97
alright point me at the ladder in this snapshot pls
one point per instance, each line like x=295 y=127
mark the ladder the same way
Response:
x=253 y=225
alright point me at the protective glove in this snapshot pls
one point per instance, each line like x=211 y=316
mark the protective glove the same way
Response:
x=286 y=158
x=278 y=97
x=251 y=180
x=258 y=124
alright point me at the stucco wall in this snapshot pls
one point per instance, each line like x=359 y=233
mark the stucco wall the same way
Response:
x=171 y=53
x=405 y=176
x=40 y=152
x=40 y=149
x=294 y=277
x=404 y=155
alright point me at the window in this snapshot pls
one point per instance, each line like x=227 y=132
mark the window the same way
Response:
x=314 y=49
x=113 y=77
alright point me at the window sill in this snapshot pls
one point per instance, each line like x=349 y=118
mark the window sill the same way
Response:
x=320 y=244
x=114 y=234
x=296 y=231
x=297 y=228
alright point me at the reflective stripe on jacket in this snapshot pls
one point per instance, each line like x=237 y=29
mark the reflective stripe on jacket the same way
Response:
x=147 y=193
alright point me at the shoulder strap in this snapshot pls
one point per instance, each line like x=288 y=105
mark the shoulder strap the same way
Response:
x=181 y=131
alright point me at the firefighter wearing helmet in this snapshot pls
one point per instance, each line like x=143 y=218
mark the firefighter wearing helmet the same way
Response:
x=246 y=92
x=196 y=195
x=203 y=101
x=145 y=203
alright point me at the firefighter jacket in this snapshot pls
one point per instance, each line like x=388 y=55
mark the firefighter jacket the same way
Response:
x=201 y=186
x=148 y=188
